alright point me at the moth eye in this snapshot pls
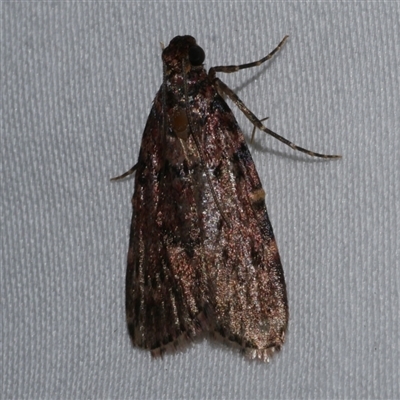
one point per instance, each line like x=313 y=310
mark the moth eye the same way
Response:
x=196 y=55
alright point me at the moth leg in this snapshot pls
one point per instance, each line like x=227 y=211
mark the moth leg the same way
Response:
x=125 y=174
x=254 y=129
x=222 y=88
x=233 y=68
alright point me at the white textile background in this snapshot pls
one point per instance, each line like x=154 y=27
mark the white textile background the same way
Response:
x=77 y=81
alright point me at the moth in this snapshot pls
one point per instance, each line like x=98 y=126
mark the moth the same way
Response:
x=202 y=254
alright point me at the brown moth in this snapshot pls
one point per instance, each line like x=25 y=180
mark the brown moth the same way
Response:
x=202 y=254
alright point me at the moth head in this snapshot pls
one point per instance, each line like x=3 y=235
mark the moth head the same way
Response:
x=182 y=52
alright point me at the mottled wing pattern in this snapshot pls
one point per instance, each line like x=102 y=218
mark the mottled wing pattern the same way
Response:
x=248 y=288
x=202 y=255
x=162 y=300
x=191 y=266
